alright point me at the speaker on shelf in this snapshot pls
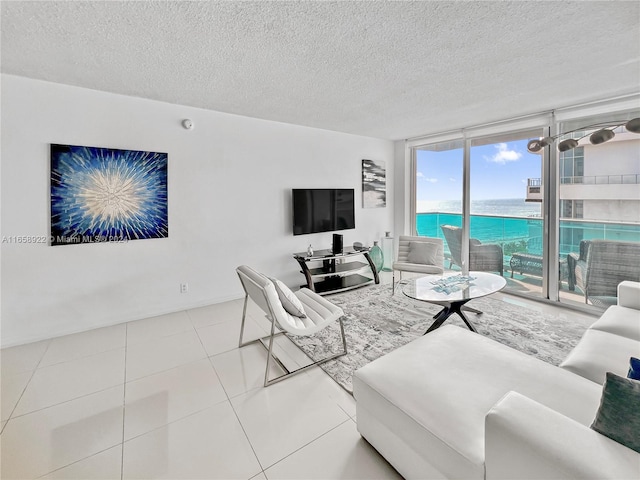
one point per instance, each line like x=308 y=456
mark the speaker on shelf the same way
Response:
x=337 y=243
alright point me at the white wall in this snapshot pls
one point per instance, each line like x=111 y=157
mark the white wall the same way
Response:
x=229 y=203
x=620 y=156
x=402 y=198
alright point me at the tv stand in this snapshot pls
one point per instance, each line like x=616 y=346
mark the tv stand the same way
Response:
x=337 y=272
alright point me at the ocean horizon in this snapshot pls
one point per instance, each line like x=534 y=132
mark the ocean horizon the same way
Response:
x=492 y=220
x=509 y=207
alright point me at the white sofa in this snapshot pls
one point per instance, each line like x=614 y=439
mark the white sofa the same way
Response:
x=454 y=404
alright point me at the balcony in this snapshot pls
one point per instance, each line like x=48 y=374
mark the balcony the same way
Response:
x=523 y=236
x=534 y=190
x=592 y=187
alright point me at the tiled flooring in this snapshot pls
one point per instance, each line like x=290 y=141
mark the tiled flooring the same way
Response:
x=173 y=397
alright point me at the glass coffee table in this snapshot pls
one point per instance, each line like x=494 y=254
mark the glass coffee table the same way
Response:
x=452 y=291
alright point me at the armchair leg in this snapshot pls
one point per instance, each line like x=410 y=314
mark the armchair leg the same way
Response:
x=244 y=315
x=393 y=284
x=268 y=343
x=393 y=281
x=290 y=373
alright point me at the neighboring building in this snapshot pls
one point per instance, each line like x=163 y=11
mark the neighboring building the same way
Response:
x=602 y=182
x=599 y=190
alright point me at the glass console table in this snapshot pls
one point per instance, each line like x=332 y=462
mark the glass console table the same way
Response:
x=327 y=272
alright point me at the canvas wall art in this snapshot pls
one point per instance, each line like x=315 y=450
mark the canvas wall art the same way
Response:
x=374 y=184
x=107 y=195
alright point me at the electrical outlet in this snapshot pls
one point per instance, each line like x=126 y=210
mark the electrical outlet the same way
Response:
x=184 y=287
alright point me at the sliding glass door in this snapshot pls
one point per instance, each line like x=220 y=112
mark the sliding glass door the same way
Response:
x=438 y=192
x=505 y=211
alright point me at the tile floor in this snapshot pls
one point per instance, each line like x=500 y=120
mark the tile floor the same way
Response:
x=173 y=397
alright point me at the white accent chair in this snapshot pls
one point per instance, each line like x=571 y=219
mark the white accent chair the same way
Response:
x=319 y=313
x=402 y=264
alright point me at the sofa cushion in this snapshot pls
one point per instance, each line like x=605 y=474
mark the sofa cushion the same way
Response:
x=619 y=416
x=620 y=321
x=434 y=393
x=599 y=352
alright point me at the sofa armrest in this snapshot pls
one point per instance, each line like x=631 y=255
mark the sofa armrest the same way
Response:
x=525 y=439
x=629 y=294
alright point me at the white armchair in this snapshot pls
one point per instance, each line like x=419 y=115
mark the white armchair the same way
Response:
x=418 y=255
x=311 y=313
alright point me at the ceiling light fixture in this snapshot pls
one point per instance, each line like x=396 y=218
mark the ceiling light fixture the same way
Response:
x=603 y=133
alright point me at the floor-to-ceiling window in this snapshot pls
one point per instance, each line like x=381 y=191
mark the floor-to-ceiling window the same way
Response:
x=592 y=193
x=504 y=211
x=438 y=192
x=506 y=208
x=599 y=199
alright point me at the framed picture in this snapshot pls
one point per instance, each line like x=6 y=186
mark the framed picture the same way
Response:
x=374 y=184
x=107 y=195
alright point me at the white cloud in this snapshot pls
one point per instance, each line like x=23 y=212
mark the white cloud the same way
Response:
x=504 y=155
x=451 y=179
x=426 y=179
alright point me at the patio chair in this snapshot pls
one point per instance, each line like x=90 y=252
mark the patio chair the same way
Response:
x=600 y=266
x=301 y=313
x=485 y=257
x=418 y=255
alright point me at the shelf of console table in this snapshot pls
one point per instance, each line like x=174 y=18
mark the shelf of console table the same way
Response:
x=339 y=271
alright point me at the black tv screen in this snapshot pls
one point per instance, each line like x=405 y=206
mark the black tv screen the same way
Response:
x=322 y=210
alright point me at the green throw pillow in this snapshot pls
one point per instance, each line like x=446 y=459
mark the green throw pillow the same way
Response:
x=619 y=414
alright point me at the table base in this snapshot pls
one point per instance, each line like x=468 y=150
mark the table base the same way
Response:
x=450 y=309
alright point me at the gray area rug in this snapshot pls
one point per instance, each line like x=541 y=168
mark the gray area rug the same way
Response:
x=376 y=323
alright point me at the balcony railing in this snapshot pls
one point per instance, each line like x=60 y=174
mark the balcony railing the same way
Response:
x=627 y=179
x=524 y=234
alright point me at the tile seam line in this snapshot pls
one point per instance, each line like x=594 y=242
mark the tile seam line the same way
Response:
x=230 y=403
x=33 y=372
x=79 y=460
x=84 y=395
x=349 y=419
x=124 y=399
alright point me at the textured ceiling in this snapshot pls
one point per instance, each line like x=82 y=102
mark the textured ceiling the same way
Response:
x=382 y=69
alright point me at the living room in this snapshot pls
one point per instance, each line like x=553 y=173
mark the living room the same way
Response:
x=67 y=78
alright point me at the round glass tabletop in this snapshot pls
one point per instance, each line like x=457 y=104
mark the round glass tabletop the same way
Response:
x=453 y=287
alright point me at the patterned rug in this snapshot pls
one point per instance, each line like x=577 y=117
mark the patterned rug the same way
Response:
x=376 y=323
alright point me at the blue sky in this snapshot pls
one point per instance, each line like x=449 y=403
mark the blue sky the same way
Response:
x=498 y=170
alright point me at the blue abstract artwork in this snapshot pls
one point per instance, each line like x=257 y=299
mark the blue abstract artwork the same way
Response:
x=107 y=195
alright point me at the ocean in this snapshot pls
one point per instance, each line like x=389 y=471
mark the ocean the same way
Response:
x=497 y=220
x=507 y=207
x=515 y=224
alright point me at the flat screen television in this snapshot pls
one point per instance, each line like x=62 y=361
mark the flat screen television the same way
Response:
x=323 y=210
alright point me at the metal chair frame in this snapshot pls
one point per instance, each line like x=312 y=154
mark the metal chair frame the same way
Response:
x=277 y=332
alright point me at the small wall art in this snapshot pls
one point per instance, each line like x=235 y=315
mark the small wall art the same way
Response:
x=107 y=195
x=374 y=184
